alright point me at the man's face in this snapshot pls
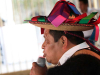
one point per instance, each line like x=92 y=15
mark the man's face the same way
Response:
x=83 y=7
x=52 y=49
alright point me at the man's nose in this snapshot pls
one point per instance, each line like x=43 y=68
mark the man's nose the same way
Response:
x=43 y=45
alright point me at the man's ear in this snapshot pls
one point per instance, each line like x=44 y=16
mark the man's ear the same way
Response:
x=64 y=42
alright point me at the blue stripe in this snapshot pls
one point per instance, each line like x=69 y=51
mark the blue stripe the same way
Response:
x=74 y=9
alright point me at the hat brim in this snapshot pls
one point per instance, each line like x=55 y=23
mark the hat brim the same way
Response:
x=64 y=26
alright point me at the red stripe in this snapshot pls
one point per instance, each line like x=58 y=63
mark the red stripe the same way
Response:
x=80 y=17
x=97 y=33
x=35 y=18
x=71 y=4
x=62 y=0
x=77 y=19
x=54 y=8
x=42 y=30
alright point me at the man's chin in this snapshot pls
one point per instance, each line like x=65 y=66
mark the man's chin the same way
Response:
x=51 y=62
x=48 y=60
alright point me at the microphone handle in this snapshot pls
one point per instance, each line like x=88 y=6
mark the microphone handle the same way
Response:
x=41 y=61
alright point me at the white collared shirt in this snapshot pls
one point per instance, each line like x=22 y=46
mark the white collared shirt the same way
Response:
x=71 y=51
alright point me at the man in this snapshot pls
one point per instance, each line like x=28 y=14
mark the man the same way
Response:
x=59 y=47
x=64 y=43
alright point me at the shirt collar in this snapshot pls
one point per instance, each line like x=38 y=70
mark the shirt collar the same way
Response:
x=71 y=51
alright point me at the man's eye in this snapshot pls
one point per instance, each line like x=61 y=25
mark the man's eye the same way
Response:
x=46 y=41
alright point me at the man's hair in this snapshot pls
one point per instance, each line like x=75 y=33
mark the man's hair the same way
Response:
x=84 y=1
x=73 y=39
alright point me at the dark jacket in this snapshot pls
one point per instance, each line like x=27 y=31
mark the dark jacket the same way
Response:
x=82 y=64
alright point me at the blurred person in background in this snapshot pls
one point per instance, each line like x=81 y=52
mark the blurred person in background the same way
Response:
x=83 y=5
x=84 y=8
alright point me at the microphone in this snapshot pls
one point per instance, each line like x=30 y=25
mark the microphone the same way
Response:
x=41 y=61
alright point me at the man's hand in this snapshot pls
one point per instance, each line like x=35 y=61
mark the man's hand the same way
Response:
x=37 y=70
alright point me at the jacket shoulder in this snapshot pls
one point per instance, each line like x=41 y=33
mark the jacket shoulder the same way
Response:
x=78 y=65
x=87 y=52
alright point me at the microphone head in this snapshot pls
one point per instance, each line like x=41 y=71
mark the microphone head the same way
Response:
x=41 y=61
